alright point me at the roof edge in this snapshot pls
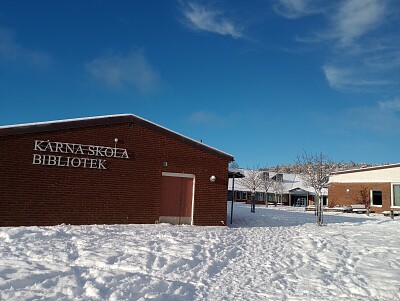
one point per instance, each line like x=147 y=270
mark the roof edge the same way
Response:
x=366 y=169
x=56 y=125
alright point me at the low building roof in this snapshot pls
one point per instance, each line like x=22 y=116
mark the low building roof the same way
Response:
x=57 y=125
x=291 y=182
x=376 y=174
x=235 y=173
x=366 y=169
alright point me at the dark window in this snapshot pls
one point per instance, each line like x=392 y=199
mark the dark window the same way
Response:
x=376 y=198
x=238 y=195
x=324 y=200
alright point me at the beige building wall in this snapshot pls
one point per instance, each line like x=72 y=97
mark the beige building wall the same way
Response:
x=356 y=187
x=384 y=175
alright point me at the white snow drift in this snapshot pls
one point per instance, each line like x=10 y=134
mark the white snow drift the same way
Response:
x=274 y=254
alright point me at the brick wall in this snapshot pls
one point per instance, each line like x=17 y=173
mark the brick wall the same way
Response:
x=129 y=191
x=338 y=194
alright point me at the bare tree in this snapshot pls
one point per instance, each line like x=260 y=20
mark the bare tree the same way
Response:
x=267 y=183
x=234 y=165
x=252 y=181
x=315 y=171
x=278 y=189
x=363 y=197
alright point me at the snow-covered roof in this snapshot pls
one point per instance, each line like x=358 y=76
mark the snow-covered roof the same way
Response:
x=235 y=172
x=16 y=129
x=290 y=182
x=59 y=121
x=367 y=168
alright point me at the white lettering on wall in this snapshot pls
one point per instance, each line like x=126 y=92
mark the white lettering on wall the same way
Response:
x=80 y=149
x=75 y=149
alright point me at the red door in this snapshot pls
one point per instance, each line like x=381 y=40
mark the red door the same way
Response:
x=176 y=200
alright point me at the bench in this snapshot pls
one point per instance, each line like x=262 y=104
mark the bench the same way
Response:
x=387 y=213
x=359 y=208
x=330 y=209
x=338 y=209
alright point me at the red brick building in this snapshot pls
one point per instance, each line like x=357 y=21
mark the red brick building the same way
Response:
x=376 y=187
x=115 y=169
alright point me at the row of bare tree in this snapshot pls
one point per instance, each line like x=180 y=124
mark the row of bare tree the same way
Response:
x=256 y=180
x=291 y=168
x=313 y=169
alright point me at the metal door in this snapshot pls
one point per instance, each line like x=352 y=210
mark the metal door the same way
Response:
x=176 y=199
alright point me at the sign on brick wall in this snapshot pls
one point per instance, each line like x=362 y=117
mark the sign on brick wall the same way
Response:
x=64 y=154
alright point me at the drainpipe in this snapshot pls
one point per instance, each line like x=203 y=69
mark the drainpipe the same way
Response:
x=233 y=195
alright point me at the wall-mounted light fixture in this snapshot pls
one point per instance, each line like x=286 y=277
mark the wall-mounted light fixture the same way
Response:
x=165 y=164
x=213 y=179
x=116 y=141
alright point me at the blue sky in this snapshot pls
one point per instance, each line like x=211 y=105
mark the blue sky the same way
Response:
x=262 y=80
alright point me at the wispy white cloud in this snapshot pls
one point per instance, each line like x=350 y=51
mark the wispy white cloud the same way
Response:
x=121 y=71
x=370 y=119
x=335 y=76
x=293 y=9
x=390 y=105
x=351 y=79
x=357 y=17
x=355 y=34
x=382 y=117
x=386 y=59
x=11 y=50
x=202 y=18
x=211 y=119
x=346 y=21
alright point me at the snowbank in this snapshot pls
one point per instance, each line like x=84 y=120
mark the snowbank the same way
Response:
x=276 y=253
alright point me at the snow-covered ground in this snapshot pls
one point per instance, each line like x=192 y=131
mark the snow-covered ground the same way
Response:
x=273 y=254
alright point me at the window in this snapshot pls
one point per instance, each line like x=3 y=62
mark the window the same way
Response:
x=238 y=195
x=324 y=200
x=279 y=177
x=396 y=195
x=266 y=175
x=376 y=198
